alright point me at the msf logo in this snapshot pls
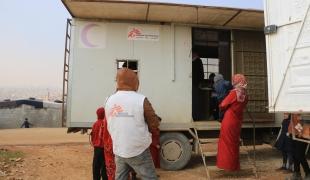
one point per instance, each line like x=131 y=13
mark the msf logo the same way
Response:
x=134 y=33
x=115 y=110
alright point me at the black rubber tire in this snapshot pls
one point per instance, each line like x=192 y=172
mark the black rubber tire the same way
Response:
x=175 y=151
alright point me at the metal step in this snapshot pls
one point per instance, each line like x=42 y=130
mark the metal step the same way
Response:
x=213 y=168
x=210 y=154
x=214 y=153
x=212 y=140
x=208 y=140
x=242 y=168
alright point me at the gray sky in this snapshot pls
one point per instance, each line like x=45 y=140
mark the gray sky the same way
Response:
x=32 y=38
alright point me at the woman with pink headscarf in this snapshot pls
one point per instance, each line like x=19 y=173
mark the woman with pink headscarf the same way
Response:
x=233 y=105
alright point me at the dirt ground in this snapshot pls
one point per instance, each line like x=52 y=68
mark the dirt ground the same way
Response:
x=51 y=154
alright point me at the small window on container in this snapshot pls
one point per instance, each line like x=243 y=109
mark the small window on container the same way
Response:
x=125 y=63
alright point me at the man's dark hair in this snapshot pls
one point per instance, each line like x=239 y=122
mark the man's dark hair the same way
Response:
x=195 y=50
x=211 y=76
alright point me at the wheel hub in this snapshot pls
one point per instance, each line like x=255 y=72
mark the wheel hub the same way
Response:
x=171 y=150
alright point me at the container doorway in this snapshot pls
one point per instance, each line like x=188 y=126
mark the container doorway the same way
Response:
x=211 y=56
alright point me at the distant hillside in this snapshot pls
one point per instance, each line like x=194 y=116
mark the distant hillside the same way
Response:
x=45 y=93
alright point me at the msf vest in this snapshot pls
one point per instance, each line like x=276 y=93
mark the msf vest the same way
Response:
x=126 y=124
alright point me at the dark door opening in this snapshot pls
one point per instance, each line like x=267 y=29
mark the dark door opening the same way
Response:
x=211 y=50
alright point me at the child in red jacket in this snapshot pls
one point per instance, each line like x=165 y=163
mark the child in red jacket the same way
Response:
x=99 y=169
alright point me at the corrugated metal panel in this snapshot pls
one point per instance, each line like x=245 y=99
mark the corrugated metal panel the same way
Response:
x=215 y=16
x=182 y=14
x=250 y=60
x=119 y=11
x=163 y=12
x=248 y=19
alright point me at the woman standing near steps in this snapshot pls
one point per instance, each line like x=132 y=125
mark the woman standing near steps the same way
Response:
x=229 y=140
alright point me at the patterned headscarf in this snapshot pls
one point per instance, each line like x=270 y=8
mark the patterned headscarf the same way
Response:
x=127 y=80
x=240 y=84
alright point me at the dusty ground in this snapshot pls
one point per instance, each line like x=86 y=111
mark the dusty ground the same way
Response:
x=51 y=154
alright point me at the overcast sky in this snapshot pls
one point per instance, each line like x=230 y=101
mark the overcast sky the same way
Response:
x=32 y=38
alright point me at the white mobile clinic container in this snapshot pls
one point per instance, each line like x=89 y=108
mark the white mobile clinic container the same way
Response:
x=288 y=54
x=288 y=59
x=156 y=39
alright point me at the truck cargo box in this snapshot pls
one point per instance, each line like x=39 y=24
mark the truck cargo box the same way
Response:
x=288 y=55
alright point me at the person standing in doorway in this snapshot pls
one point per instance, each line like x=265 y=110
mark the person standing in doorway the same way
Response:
x=229 y=140
x=214 y=110
x=26 y=124
x=130 y=119
x=197 y=78
x=222 y=88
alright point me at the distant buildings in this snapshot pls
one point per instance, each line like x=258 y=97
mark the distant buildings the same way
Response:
x=39 y=113
x=45 y=93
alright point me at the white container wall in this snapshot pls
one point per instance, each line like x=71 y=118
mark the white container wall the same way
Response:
x=163 y=54
x=288 y=55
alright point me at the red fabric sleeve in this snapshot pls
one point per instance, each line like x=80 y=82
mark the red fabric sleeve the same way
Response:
x=94 y=133
x=155 y=137
x=97 y=134
x=229 y=99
